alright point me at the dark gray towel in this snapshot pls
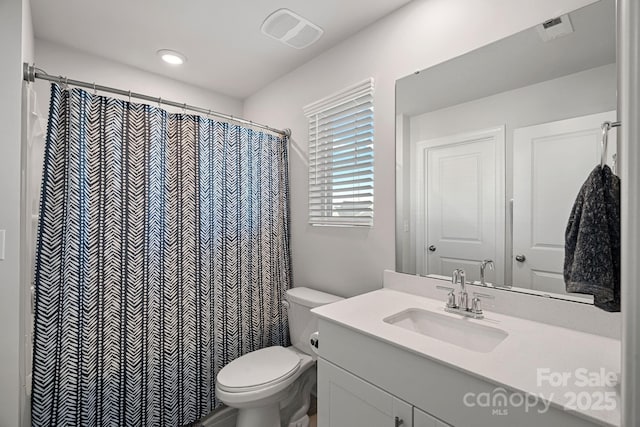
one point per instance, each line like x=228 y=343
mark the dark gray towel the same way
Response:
x=592 y=240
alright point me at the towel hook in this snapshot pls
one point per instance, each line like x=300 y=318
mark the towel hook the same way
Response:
x=606 y=126
x=605 y=141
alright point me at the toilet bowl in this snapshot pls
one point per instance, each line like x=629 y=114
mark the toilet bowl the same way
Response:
x=275 y=381
x=257 y=382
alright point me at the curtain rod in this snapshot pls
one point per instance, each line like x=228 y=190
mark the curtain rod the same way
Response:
x=31 y=73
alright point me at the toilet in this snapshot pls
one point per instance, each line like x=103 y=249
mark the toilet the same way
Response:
x=274 y=384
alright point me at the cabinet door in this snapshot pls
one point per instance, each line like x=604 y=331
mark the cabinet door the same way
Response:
x=345 y=400
x=422 y=419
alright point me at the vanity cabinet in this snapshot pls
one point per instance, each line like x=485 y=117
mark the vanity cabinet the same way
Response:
x=346 y=400
x=364 y=381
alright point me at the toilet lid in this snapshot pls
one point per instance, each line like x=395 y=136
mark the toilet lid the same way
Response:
x=258 y=369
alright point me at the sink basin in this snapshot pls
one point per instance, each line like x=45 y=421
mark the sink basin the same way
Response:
x=456 y=331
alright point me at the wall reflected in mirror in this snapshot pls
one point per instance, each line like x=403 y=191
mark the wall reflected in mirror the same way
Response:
x=493 y=146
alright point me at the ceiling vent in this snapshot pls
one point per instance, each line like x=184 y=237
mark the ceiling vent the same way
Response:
x=291 y=29
x=554 y=28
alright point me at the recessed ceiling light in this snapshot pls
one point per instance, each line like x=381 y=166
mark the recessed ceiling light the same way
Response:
x=172 y=57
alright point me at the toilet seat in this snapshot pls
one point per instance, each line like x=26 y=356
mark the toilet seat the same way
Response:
x=258 y=370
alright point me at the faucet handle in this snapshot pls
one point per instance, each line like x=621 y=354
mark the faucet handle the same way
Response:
x=476 y=302
x=451 y=298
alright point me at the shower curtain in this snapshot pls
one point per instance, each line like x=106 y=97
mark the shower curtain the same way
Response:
x=162 y=255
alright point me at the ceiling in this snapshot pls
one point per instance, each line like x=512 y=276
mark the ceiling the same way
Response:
x=225 y=49
x=519 y=60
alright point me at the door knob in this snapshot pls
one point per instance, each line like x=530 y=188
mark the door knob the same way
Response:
x=521 y=258
x=432 y=248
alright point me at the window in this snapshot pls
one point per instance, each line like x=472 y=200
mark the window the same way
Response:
x=341 y=157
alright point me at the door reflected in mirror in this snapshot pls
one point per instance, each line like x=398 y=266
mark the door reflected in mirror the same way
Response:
x=492 y=148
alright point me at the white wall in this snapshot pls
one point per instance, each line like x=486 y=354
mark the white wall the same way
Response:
x=28 y=55
x=28 y=39
x=11 y=36
x=587 y=92
x=56 y=60
x=423 y=33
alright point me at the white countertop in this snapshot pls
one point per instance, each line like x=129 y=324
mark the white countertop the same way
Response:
x=513 y=364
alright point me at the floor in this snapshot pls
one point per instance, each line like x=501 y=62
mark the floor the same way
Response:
x=313 y=412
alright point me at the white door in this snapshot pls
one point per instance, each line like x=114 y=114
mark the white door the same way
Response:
x=461 y=196
x=345 y=400
x=551 y=161
x=422 y=419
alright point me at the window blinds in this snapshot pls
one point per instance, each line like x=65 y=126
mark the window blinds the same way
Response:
x=341 y=157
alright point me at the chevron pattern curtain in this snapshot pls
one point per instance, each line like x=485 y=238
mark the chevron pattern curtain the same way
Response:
x=162 y=255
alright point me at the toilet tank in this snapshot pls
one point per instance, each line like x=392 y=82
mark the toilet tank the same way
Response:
x=302 y=323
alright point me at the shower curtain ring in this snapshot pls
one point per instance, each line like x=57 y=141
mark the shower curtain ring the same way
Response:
x=160 y=102
x=184 y=108
x=95 y=91
x=129 y=97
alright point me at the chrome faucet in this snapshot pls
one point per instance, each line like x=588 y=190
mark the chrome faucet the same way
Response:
x=463 y=297
x=461 y=306
x=486 y=263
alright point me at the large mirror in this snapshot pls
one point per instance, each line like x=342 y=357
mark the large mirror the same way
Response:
x=493 y=146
